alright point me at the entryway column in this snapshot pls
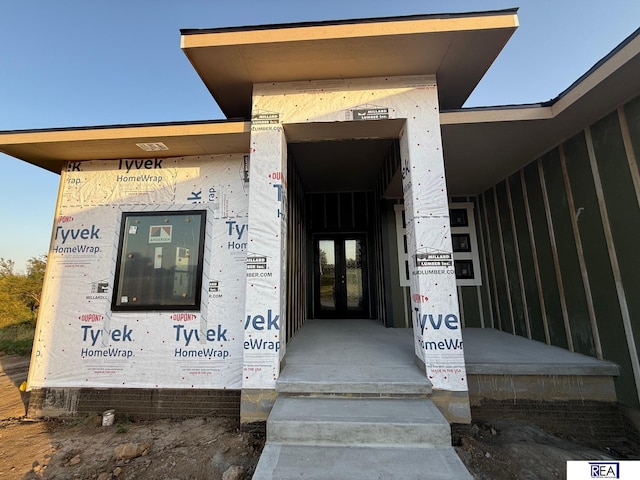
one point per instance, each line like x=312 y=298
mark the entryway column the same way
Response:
x=434 y=301
x=265 y=301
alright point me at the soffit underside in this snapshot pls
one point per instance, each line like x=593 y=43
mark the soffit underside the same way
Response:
x=51 y=149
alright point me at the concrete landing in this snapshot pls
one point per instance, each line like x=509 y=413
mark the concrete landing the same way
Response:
x=352 y=357
x=284 y=462
x=350 y=343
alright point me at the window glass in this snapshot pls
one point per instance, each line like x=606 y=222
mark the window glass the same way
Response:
x=160 y=261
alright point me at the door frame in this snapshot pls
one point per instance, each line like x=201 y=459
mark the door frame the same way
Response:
x=340 y=237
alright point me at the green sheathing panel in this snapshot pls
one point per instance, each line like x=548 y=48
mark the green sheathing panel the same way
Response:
x=632 y=112
x=622 y=209
x=510 y=256
x=394 y=304
x=601 y=280
x=470 y=307
x=546 y=266
x=572 y=285
x=526 y=258
x=485 y=291
x=503 y=317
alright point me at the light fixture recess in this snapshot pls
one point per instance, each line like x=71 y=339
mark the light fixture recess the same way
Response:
x=152 y=146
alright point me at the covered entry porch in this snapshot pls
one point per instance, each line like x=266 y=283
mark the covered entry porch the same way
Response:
x=352 y=399
x=363 y=357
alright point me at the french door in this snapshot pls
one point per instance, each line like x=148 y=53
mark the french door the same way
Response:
x=340 y=276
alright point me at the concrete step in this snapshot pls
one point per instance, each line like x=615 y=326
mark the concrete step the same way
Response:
x=357 y=379
x=283 y=462
x=357 y=421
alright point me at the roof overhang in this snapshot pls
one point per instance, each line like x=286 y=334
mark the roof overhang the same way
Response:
x=481 y=145
x=457 y=48
x=52 y=148
x=485 y=145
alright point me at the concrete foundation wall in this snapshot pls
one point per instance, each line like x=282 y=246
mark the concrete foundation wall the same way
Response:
x=134 y=404
x=541 y=388
x=587 y=422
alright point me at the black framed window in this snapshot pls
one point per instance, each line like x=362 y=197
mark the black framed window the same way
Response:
x=159 y=264
x=461 y=242
x=459 y=217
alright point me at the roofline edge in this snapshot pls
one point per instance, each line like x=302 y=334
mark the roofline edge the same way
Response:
x=325 y=23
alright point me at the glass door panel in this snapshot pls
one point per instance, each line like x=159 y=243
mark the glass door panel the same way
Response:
x=353 y=274
x=327 y=274
x=340 y=287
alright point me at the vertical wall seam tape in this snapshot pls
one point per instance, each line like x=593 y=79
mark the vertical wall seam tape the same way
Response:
x=534 y=252
x=461 y=306
x=504 y=261
x=480 y=305
x=554 y=251
x=496 y=311
x=516 y=245
x=622 y=299
x=631 y=156
x=485 y=273
x=583 y=267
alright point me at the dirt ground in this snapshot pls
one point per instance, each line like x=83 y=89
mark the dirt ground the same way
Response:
x=214 y=448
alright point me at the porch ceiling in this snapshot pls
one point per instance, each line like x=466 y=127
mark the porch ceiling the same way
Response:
x=340 y=166
x=341 y=156
x=457 y=48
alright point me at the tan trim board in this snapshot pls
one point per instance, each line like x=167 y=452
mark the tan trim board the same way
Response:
x=122 y=133
x=277 y=34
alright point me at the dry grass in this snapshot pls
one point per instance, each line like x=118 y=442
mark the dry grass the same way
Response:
x=17 y=339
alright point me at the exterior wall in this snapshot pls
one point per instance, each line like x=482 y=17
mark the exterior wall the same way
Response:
x=81 y=341
x=266 y=287
x=561 y=260
x=396 y=276
x=424 y=189
x=397 y=297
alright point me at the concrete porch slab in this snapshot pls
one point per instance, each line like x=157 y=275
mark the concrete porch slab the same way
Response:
x=352 y=357
x=367 y=343
x=364 y=357
x=350 y=342
x=488 y=351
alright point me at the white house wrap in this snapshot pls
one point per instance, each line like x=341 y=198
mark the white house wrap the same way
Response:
x=80 y=341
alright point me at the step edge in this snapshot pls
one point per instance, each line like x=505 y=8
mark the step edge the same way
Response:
x=391 y=446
